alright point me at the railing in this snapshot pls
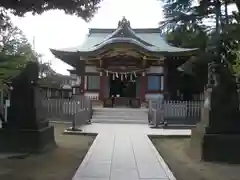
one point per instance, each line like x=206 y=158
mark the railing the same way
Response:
x=155 y=112
x=174 y=112
x=190 y=110
x=77 y=110
x=61 y=108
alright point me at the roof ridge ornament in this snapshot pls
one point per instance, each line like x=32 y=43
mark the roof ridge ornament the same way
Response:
x=123 y=22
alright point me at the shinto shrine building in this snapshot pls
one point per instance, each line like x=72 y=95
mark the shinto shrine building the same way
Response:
x=126 y=63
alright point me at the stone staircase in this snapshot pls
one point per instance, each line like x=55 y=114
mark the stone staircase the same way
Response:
x=120 y=115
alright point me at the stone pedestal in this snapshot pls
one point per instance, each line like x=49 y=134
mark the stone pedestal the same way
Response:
x=221 y=148
x=27 y=128
x=27 y=141
x=216 y=137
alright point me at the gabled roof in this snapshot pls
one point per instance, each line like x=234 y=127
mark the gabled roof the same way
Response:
x=124 y=31
x=148 y=40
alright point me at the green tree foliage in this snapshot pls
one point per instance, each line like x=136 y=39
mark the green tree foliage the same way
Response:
x=236 y=64
x=15 y=51
x=203 y=25
x=50 y=78
x=45 y=70
x=189 y=24
x=81 y=8
x=187 y=37
x=10 y=66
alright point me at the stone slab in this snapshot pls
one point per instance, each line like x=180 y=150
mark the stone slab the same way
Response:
x=124 y=152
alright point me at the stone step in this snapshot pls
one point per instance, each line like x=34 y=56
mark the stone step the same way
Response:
x=119 y=121
x=118 y=117
x=120 y=110
x=118 y=114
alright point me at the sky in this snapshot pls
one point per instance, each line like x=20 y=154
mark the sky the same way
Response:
x=54 y=29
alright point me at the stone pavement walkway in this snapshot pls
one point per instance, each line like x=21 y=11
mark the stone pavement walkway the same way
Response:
x=124 y=152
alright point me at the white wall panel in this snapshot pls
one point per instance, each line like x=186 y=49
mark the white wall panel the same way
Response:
x=156 y=69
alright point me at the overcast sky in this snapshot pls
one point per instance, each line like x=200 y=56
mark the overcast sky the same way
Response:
x=54 y=29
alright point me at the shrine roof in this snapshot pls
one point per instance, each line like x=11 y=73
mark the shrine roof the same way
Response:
x=149 y=40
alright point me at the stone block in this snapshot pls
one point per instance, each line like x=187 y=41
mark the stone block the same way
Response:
x=221 y=148
x=27 y=141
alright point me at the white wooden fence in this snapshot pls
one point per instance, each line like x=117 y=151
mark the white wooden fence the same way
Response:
x=61 y=107
x=182 y=112
x=182 y=108
x=64 y=108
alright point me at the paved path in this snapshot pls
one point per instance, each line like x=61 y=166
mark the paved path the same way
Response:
x=124 y=152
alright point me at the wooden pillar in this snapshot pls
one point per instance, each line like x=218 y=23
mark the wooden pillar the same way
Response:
x=102 y=82
x=102 y=86
x=81 y=87
x=165 y=77
x=143 y=86
x=80 y=71
x=143 y=81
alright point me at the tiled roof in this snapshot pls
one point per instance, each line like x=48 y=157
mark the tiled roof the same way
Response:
x=158 y=42
x=148 y=39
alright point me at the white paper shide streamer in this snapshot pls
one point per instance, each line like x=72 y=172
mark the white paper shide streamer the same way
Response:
x=122 y=75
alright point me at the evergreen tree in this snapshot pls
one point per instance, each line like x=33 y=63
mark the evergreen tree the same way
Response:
x=186 y=21
x=81 y=8
x=15 y=51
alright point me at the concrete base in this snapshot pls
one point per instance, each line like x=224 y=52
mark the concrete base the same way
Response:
x=221 y=148
x=27 y=141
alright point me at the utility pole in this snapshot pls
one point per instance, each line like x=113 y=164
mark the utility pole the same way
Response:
x=33 y=43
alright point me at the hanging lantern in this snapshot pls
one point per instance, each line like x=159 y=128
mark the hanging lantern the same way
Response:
x=126 y=75
x=107 y=73
x=117 y=75
x=113 y=76
x=143 y=73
